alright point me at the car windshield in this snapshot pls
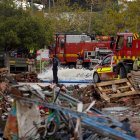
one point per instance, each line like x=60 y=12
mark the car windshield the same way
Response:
x=107 y=60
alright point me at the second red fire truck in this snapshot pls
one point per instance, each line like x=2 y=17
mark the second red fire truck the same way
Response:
x=126 y=49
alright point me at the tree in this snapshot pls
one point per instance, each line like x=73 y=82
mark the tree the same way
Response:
x=107 y=21
x=132 y=12
x=68 y=18
x=20 y=29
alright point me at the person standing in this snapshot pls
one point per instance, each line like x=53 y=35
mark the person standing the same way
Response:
x=79 y=62
x=55 y=63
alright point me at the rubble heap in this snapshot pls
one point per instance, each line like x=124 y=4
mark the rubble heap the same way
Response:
x=105 y=111
x=26 y=77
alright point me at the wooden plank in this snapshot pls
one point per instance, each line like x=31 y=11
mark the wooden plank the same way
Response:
x=100 y=88
x=123 y=94
x=118 y=92
x=3 y=70
x=129 y=75
x=135 y=73
x=128 y=83
x=125 y=87
x=112 y=82
x=132 y=89
x=119 y=88
x=105 y=83
x=105 y=97
x=90 y=106
x=120 y=81
x=78 y=130
x=106 y=90
x=136 y=79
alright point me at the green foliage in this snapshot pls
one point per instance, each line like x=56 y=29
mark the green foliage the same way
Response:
x=114 y=17
x=19 y=28
x=66 y=18
x=132 y=16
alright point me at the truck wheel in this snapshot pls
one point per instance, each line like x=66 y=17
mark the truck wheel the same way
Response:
x=96 y=78
x=123 y=73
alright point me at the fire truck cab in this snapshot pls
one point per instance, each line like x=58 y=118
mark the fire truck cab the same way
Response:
x=126 y=49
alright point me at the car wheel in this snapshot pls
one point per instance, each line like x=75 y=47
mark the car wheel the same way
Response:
x=96 y=78
x=123 y=73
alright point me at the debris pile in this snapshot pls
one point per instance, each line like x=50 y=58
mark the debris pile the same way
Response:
x=5 y=99
x=104 y=111
x=26 y=77
x=63 y=122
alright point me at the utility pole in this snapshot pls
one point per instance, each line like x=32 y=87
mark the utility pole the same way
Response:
x=136 y=23
x=53 y=3
x=89 y=26
x=49 y=5
x=32 y=6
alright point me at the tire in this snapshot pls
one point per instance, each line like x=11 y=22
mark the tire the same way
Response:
x=123 y=73
x=96 y=78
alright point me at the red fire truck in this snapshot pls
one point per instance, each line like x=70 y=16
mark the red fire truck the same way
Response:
x=126 y=48
x=90 y=48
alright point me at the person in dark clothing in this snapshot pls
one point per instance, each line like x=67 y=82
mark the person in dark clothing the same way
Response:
x=79 y=62
x=55 y=63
